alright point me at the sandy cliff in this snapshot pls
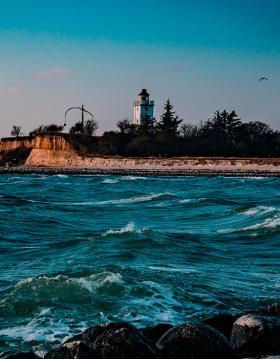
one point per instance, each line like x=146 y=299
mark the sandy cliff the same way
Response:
x=10 y=144
x=51 y=150
x=60 y=150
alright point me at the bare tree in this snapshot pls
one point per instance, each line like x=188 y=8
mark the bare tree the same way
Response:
x=16 y=131
x=90 y=127
x=188 y=130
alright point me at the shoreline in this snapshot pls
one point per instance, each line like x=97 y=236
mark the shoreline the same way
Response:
x=244 y=335
x=171 y=172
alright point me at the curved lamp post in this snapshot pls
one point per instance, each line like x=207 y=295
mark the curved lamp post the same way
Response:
x=82 y=109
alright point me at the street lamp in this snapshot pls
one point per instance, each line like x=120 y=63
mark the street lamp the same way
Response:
x=82 y=109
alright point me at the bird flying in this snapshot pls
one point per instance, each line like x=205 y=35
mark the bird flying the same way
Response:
x=263 y=79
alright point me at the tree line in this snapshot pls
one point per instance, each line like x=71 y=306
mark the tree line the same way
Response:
x=222 y=135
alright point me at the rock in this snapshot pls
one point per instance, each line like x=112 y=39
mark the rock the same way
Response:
x=194 y=341
x=89 y=335
x=154 y=332
x=74 y=350
x=123 y=343
x=256 y=335
x=22 y=355
x=222 y=322
x=271 y=310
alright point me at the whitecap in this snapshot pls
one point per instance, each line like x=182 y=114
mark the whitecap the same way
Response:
x=259 y=210
x=62 y=176
x=273 y=222
x=159 y=293
x=138 y=199
x=95 y=281
x=186 y=200
x=270 y=223
x=110 y=181
x=129 y=228
x=133 y=178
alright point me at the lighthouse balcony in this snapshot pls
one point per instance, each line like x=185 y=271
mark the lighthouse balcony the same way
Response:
x=143 y=103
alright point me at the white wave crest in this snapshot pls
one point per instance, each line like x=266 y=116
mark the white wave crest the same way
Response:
x=273 y=223
x=129 y=228
x=95 y=281
x=259 y=210
x=110 y=181
x=269 y=223
x=138 y=199
x=133 y=178
x=91 y=283
x=186 y=200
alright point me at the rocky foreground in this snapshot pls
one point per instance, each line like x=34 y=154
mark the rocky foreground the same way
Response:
x=251 y=335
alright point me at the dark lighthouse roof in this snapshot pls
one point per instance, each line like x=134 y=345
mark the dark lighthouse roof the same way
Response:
x=144 y=93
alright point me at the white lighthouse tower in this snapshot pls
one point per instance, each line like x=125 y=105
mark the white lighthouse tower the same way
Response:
x=143 y=107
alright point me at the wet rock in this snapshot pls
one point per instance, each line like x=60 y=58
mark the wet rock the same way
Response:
x=22 y=355
x=256 y=335
x=74 y=350
x=222 y=322
x=89 y=335
x=154 y=332
x=123 y=343
x=194 y=341
x=271 y=310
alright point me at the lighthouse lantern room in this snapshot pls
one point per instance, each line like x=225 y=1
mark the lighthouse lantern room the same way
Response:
x=143 y=107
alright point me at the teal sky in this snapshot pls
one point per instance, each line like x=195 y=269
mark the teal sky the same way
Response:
x=203 y=55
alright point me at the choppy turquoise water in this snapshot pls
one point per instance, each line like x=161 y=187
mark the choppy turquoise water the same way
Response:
x=80 y=250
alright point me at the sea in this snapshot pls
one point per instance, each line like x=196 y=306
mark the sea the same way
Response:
x=77 y=251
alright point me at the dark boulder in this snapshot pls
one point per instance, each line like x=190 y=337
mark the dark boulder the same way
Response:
x=194 y=341
x=74 y=350
x=22 y=355
x=123 y=343
x=89 y=335
x=256 y=335
x=154 y=332
x=222 y=322
x=271 y=310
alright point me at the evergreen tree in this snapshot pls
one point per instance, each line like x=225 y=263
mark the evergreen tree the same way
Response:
x=169 y=123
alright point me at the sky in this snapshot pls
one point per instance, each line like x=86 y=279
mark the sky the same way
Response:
x=204 y=55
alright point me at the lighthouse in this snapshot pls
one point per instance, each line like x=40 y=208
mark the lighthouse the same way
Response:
x=143 y=107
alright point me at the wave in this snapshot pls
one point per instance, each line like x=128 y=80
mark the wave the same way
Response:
x=132 y=178
x=13 y=200
x=259 y=210
x=90 y=282
x=172 y=269
x=273 y=223
x=110 y=181
x=138 y=199
x=42 y=328
x=49 y=291
x=129 y=228
x=61 y=176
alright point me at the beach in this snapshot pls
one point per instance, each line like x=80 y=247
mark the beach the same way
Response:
x=196 y=170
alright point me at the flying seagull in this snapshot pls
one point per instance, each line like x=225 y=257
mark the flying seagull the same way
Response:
x=263 y=79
